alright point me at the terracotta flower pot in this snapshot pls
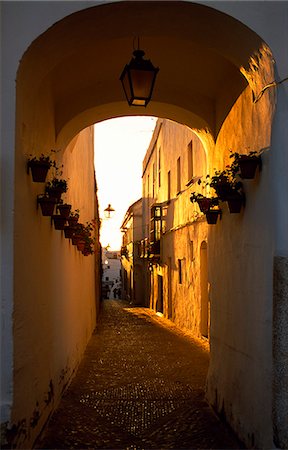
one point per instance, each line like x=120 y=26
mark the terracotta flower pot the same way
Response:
x=204 y=204
x=64 y=209
x=223 y=190
x=212 y=216
x=47 y=205
x=69 y=232
x=39 y=170
x=248 y=166
x=75 y=238
x=72 y=220
x=235 y=202
x=55 y=193
x=81 y=244
x=59 y=222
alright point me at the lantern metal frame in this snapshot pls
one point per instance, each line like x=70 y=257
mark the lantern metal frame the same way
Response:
x=138 y=79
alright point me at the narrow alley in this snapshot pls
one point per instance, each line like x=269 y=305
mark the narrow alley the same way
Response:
x=140 y=386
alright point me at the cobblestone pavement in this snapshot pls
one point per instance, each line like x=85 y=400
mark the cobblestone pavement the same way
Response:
x=140 y=386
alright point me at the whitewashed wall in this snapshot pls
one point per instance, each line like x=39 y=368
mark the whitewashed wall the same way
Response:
x=269 y=20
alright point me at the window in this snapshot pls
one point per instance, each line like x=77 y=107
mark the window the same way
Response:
x=156 y=223
x=180 y=271
x=190 y=160
x=156 y=229
x=178 y=175
x=169 y=186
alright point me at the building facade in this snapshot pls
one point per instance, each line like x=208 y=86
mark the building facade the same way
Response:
x=131 y=263
x=175 y=232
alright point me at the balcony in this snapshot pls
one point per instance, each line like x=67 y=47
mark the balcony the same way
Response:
x=154 y=250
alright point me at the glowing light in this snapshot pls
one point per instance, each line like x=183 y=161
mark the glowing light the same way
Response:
x=120 y=146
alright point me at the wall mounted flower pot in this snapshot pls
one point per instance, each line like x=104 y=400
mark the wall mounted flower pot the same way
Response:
x=248 y=166
x=39 y=170
x=204 y=204
x=75 y=238
x=212 y=216
x=47 y=205
x=223 y=190
x=64 y=209
x=87 y=251
x=235 y=202
x=81 y=244
x=55 y=193
x=69 y=231
x=72 y=220
x=59 y=222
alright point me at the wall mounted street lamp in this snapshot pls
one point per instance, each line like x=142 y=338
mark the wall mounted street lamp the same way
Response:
x=108 y=212
x=138 y=79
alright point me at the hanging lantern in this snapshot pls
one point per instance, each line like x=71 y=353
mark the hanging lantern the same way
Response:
x=138 y=79
x=108 y=211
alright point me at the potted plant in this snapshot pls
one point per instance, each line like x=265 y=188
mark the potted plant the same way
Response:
x=80 y=244
x=246 y=164
x=204 y=203
x=212 y=215
x=78 y=233
x=64 y=209
x=56 y=187
x=59 y=222
x=69 y=231
x=39 y=166
x=235 y=201
x=225 y=182
x=47 y=204
x=73 y=217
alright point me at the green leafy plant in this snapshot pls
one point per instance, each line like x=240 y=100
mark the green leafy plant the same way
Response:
x=245 y=164
x=75 y=213
x=42 y=159
x=57 y=183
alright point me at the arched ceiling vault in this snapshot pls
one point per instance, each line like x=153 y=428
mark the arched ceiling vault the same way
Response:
x=199 y=51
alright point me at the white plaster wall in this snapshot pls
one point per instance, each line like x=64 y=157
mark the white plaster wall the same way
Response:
x=241 y=273
x=18 y=16
x=269 y=19
x=185 y=228
x=54 y=293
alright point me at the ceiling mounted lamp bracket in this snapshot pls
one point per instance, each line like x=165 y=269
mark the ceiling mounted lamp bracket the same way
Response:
x=138 y=79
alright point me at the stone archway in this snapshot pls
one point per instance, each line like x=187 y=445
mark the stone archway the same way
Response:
x=76 y=84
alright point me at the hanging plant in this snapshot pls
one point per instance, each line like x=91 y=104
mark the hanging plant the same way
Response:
x=204 y=203
x=39 y=166
x=73 y=217
x=56 y=187
x=59 y=222
x=235 y=201
x=225 y=182
x=212 y=216
x=64 y=209
x=47 y=204
x=246 y=165
x=69 y=231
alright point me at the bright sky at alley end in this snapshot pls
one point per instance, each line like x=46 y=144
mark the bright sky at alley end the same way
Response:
x=120 y=147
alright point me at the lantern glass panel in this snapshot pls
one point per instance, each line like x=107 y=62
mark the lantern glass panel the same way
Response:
x=142 y=82
x=126 y=82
